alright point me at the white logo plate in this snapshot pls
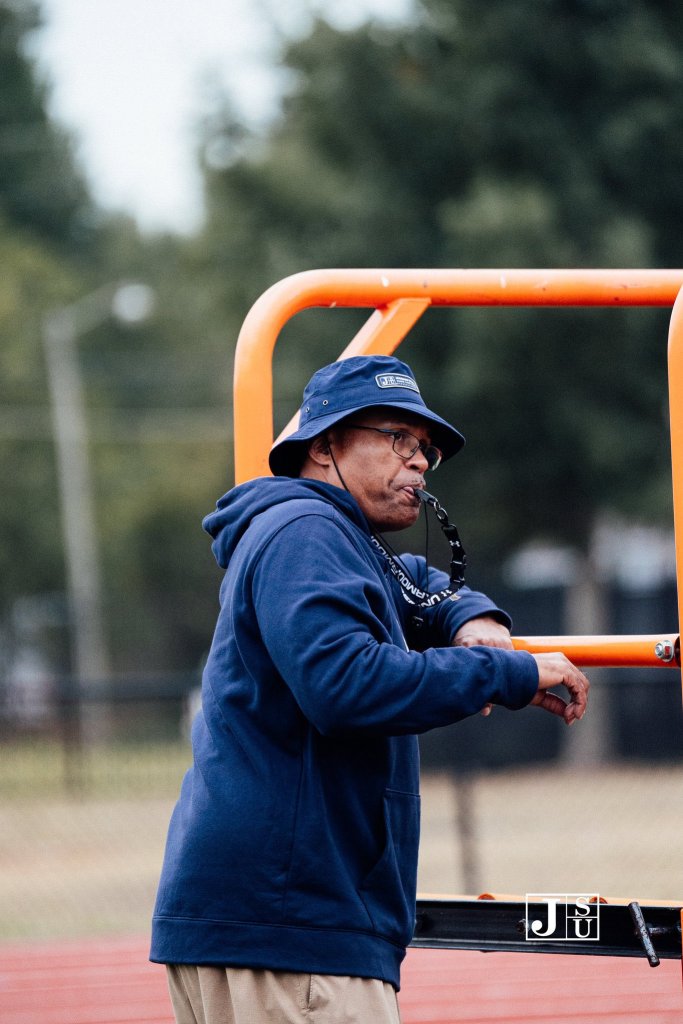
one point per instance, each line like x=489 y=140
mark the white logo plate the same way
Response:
x=396 y=380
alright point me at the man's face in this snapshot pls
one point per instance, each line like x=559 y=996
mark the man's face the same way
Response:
x=380 y=480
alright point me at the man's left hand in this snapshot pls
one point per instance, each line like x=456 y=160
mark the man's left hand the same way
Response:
x=483 y=632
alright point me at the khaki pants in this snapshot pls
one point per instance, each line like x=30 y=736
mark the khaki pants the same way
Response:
x=240 y=995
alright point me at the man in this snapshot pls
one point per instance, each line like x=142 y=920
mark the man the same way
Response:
x=288 y=887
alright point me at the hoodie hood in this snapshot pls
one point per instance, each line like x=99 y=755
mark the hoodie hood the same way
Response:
x=236 y=509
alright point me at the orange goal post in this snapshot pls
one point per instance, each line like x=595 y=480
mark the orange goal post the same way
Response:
x=398 y=298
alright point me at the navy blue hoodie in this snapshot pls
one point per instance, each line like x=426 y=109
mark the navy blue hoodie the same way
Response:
x=294 y=843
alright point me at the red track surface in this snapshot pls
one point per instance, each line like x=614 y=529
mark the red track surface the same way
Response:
x=110 y=982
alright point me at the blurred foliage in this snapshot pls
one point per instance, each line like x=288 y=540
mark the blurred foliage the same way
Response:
x=541 y=133
x=30 y=560
x=156 y=394
x=41 y=188
x=504 y=135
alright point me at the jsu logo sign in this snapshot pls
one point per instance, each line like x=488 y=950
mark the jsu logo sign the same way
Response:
x=562 y=917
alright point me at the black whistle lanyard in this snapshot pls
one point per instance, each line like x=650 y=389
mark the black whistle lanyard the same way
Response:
x=410 y=591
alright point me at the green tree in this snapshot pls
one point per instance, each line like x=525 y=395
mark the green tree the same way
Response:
x=41 y=189
x=158 y=396
x=505 y=135
x=54 y=249
x=30 y=554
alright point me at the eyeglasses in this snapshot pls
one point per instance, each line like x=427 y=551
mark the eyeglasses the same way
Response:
x=405 y=445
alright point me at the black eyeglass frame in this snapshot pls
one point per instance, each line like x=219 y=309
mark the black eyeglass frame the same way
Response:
x=426 y=449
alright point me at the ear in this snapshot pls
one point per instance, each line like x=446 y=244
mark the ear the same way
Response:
x=319 y=450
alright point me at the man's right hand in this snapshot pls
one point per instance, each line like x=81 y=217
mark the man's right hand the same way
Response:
x=557 y=670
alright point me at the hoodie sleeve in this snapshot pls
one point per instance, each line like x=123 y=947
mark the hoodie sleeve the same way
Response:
x=330 y=627
x=443 y=620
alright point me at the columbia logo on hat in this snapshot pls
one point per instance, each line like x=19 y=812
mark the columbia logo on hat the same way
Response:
x=396 y=380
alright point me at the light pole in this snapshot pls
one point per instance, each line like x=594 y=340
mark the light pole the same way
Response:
x=61 y=330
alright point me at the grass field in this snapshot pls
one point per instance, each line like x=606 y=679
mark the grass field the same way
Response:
x=86 y=862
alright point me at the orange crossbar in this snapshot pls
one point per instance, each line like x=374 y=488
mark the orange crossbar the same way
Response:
x=659 y=651
x=399 y=297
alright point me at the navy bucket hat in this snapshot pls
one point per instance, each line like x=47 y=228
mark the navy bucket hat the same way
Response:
x=342 y=388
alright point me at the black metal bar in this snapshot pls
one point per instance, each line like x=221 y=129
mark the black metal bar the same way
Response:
x=643 y=932
x=504 y=926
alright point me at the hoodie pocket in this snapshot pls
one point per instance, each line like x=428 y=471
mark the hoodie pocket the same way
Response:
x=388 y=891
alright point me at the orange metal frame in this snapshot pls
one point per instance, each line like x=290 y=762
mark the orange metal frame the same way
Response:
x=399 y=298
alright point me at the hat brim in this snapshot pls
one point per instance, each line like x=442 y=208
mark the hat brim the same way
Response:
x=287 y=456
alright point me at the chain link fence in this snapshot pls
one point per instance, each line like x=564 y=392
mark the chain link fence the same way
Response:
x=82 y=828
x=512 y=803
